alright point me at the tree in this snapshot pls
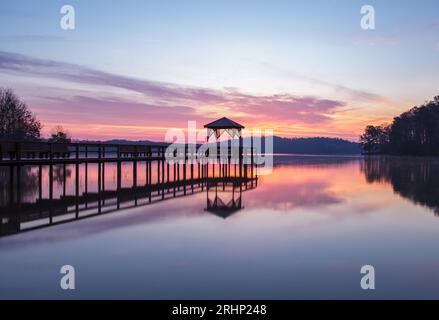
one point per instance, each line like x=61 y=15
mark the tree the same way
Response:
x=415 y=132
x=17 y=122
x=375 y=139
x=59 y=134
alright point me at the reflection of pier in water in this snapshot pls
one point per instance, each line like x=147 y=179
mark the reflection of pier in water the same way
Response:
x=161 y=180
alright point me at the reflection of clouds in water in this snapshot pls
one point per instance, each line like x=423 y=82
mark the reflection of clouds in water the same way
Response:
x=319 y=161
x=307 y=194
x=302 y=181
x=316 y=191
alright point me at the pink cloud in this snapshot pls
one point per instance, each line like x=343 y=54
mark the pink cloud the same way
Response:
x=162 y=105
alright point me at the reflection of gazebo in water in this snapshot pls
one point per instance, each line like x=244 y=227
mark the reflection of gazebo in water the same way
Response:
x=221 y=207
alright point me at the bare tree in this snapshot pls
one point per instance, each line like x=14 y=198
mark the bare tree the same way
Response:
x=16 y=120
x=59 y=134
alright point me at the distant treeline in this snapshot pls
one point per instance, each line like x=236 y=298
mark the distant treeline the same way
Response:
x=328 y=146
x=415 y=132
x=314 y=146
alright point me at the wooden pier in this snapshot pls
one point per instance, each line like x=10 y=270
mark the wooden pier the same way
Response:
x=165 y=175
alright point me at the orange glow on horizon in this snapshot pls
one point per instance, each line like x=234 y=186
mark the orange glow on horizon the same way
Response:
x=134 y=132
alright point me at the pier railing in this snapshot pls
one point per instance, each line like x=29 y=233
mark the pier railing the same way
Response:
x=36 y=152
x=39 y=150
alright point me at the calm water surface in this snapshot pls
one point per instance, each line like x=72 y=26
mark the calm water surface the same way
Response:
x=304 y=232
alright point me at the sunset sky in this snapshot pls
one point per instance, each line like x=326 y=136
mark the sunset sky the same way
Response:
x=133 y=69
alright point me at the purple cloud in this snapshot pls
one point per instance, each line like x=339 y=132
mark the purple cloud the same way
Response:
x=170 y=102
x=21 y=64
x=109 y=111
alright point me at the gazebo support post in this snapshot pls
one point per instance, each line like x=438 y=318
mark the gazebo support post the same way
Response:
x=240 y=157
x=251 y=164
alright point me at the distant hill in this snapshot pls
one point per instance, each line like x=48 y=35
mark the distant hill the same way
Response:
x=315 y=146
x=319 y=145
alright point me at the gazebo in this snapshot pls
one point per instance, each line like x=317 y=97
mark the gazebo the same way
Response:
x=222 y=125
x=234 y=130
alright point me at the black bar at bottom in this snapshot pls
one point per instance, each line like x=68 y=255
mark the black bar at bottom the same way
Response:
x=222 y=309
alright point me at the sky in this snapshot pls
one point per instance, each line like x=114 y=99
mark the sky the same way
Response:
x=134 y=69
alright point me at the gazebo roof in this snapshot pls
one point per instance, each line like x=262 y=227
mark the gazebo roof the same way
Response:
x=224 y=123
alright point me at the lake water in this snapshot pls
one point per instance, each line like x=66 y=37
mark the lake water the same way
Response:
x=303 y=232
